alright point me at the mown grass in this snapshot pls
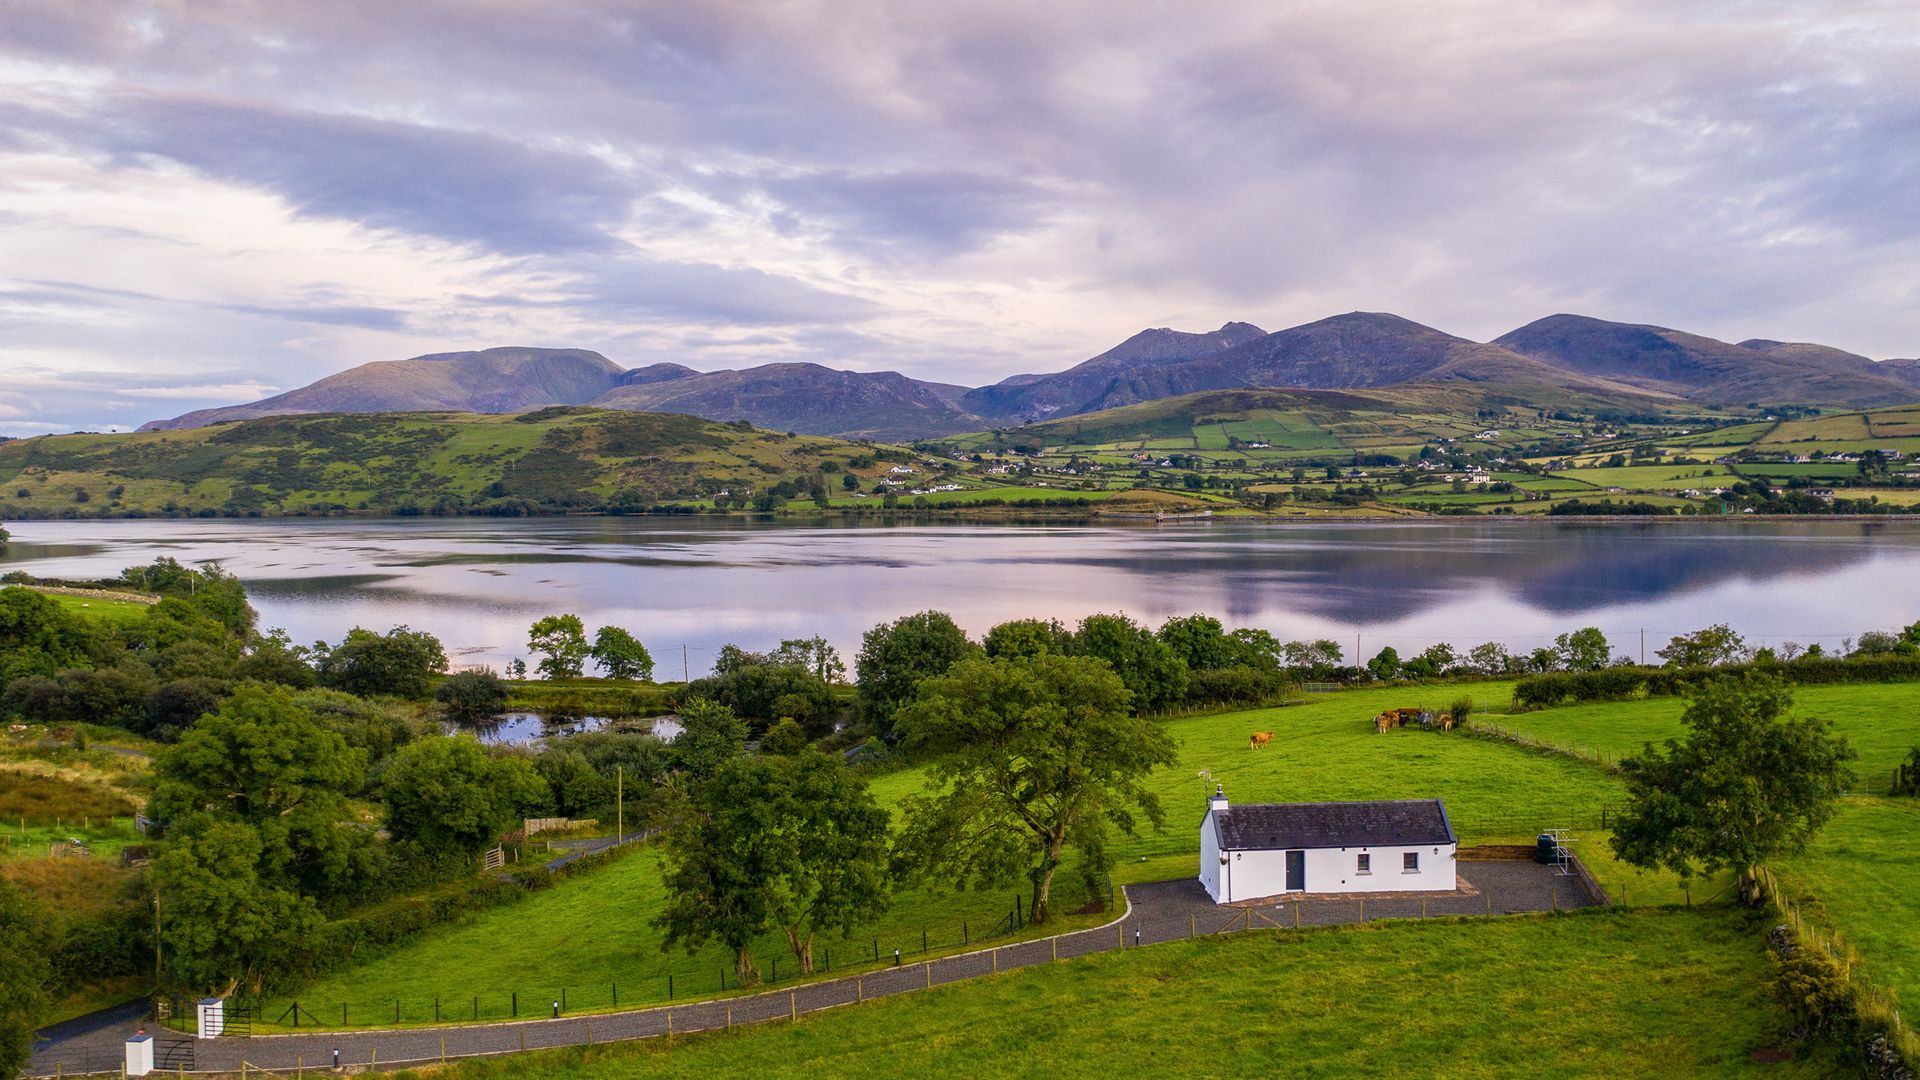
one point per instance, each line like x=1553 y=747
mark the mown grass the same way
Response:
x=1861 y=877
x=1881 y=720
x=106 y=610
x=1637 y=994
x=588 y=933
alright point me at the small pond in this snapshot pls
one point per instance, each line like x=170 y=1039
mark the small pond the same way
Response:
x=526 y=728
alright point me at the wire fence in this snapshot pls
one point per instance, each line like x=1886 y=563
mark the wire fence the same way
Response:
x=686 y=980
x=1157 y=913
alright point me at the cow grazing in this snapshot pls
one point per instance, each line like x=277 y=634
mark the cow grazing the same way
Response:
x=1260 y=739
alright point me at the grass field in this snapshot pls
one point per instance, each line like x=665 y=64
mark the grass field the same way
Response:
x=1861 y=876
x=1882 y=721
x=1640 y=994
x=1324 y=749
x=112 y=612
x=588 y=934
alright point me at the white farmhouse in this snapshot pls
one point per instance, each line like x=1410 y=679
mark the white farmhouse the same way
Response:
x=1267 y=849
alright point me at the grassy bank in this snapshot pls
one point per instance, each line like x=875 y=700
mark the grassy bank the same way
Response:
x=1588 y=995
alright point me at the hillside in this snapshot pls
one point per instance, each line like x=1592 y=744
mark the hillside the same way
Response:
x=1032 y=397
x=1313 y=422
x=489 y=381
x=806 y=398
x=1660 y=360
x=1604 y=364
x=545 y=461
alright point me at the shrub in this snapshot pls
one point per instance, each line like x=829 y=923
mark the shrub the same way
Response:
x=472 y=695
x=1461 y=709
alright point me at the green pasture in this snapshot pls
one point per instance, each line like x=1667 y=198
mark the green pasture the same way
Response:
x=1651 y=994
x=590 y=935
x=104 y=609
x=1881 y=720
x=1861 y=877
x=1635 y=477
x=1323 y=749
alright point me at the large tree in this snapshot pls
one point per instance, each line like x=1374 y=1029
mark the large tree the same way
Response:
x=261 y=759
x=710 y=736
x=1711 y=647
x=1583 y=650
x=561 y=641
x=1032 y=756
x=791 y=843
x=23 y=960
x=895 y=656
x=448 y=794
x=1747 y=783
x=226 y=918
x=621 y=656
x=400 y=662
x=1152 y=672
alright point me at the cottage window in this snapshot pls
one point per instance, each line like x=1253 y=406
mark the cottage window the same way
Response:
x=1365 y=865
x=1410 y=862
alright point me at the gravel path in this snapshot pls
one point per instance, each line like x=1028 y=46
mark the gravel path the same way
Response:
x=1157 y=912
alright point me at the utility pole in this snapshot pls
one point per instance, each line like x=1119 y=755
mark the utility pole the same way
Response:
x=686 y=675
x=1643 y=646
x=620 y=804
x=156 y=939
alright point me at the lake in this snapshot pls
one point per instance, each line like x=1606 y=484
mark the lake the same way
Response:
x=688 y=586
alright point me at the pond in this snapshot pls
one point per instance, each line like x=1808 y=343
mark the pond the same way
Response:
x=525 y=728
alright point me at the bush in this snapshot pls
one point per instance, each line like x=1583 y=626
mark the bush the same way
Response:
x=472 y=695
x=1238 y=685
x=1462 y=708
x=1623 y=683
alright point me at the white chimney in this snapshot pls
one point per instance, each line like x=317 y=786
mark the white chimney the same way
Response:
x=1218 y=800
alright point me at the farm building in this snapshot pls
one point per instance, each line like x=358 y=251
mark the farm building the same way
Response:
x=1266 y=849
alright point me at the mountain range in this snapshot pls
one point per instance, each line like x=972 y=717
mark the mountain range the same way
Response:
x=1597 y=359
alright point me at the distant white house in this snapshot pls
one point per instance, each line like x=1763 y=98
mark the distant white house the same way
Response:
x=1269 y=849
x=902 y=470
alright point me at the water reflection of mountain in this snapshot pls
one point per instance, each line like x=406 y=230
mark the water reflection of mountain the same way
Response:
x=1374 y=575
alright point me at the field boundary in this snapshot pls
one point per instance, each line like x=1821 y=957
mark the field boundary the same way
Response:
x=396 y=1048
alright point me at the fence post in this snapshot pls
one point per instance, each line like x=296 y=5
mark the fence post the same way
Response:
x=859 y=988
x=670 y=1021
x=516 y=1003
x=1055 y=942
x=1297 y=905
x=1556 y=897
x=965 y=938
x=923 y=941
x=1193 y=923
x=793 y=1009
x=929 y=966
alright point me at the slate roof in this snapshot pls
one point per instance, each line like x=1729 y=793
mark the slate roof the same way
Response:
x=1383 y=823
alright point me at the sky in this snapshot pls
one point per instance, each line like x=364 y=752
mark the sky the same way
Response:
x=207 y=202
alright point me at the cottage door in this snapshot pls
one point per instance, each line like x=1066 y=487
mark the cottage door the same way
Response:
x=1296 y=871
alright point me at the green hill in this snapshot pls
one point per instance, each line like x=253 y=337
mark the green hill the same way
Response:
x=548 y=461
x=1314 y=422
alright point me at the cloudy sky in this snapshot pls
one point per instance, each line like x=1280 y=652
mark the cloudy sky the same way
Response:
x=204 y=202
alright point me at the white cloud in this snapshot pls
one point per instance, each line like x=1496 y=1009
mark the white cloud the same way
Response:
x=956 y=191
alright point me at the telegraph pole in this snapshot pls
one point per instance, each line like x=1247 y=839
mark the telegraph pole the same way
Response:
x=620 y=804
x=1643 y=646
x=686 y=675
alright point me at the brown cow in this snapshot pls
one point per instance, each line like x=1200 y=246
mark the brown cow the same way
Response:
x=1260 y=739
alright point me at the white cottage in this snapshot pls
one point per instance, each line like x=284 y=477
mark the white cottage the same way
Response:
x=1267 y=849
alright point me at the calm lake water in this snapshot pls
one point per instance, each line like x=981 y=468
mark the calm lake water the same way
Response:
x=698 y=584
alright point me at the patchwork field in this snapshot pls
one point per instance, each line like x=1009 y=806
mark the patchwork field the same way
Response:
x=1586 y=995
